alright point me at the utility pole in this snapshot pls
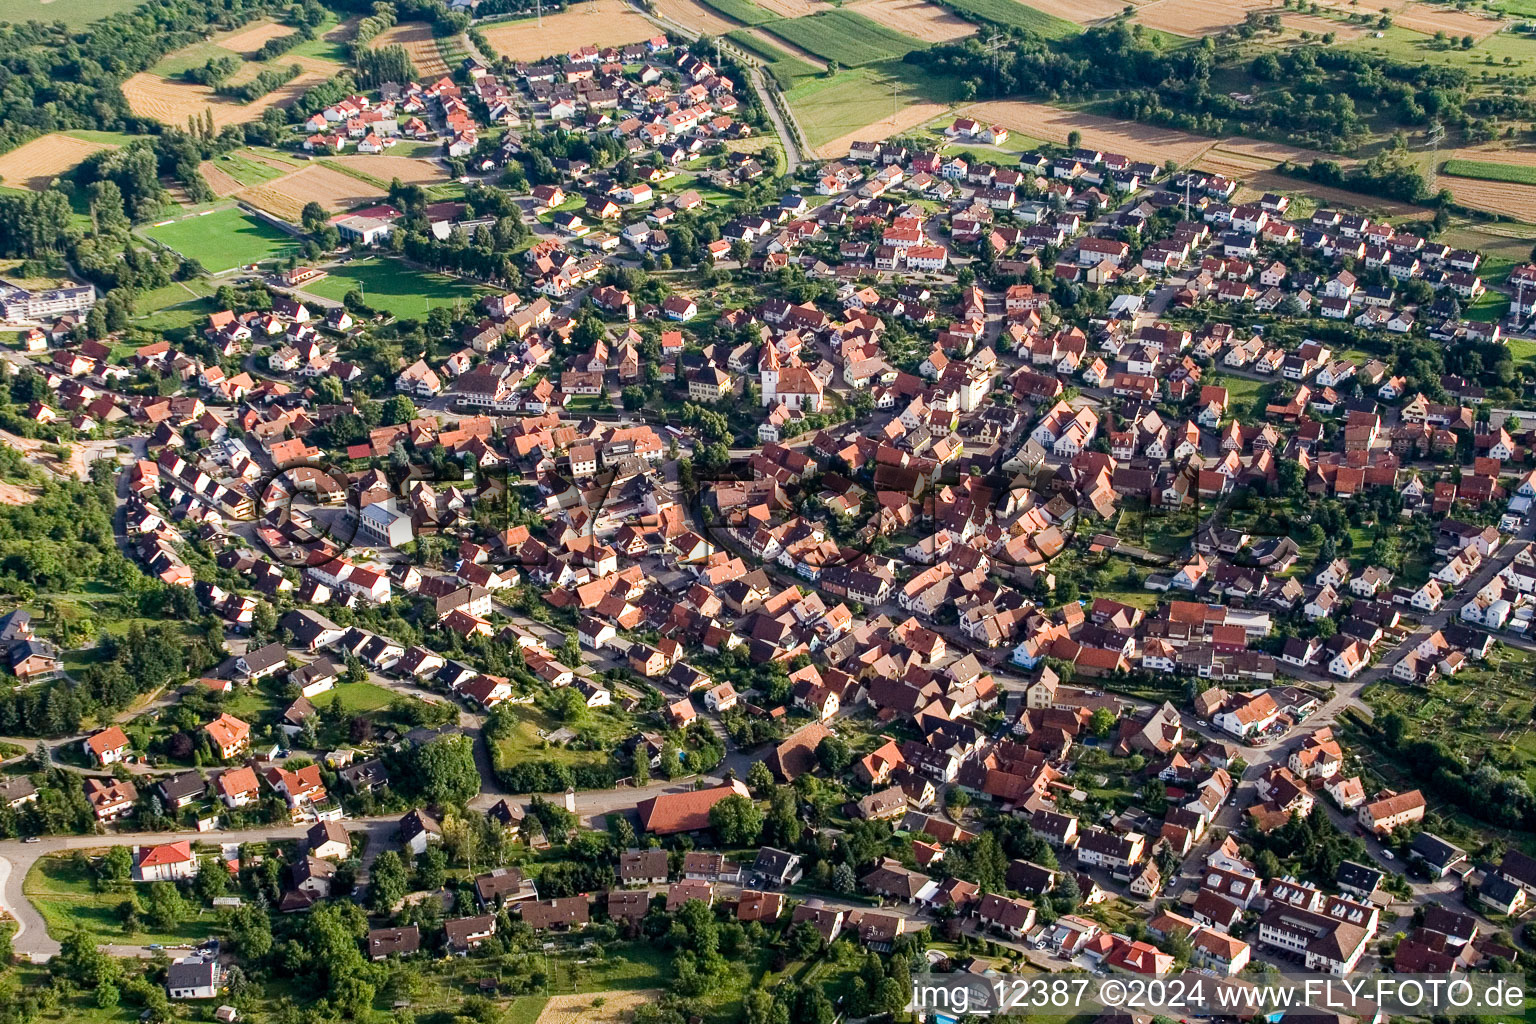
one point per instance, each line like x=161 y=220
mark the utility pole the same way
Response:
x=1436 y=136
x=994 y=44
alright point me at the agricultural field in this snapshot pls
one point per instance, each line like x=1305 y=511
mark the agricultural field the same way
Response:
x=74 y=13
x=419 y=43
x=285 y=197
x=786 y=69
x=172 y=102
x=35 y=164
x=1035 y=17
x=743 y=11
x=1502 y=197
x=224 y=239
x=843 y=36
x=916 y=18
x=699 y=15
x=595 y=23
x=239 y=169
x=383 y=167
x=391 y=285
x=1485 y=170
x=1195 y=17
x=1499 y=181
x=1053 y=124
x=857 y=105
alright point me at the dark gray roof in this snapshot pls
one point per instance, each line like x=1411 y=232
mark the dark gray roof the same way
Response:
x=178 y=787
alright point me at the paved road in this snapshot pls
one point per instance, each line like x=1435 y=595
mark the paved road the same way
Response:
x=16 y=859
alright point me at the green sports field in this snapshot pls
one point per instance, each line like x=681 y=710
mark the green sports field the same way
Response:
x=391 y=285
x=224 y=239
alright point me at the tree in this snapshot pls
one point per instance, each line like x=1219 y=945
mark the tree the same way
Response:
x=388 y=881
x=398 y=409
x=834 y=755
x=760 y=779
x=445 y=770
x=117 y=864
x=1102 y=722
x=737 y=821
x=165 y=906
x=431 y=868
x=1074 y=139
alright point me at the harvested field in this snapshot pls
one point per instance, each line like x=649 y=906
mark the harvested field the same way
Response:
x=245 y=42
x=617 y=1007
x=409 y=169
x=173 y=102
x=792 y=8
x=1196 y=17
x=909 y=117
x=695 y=15
x=917 y=18
x=1318 y=24
x=1052 y=124
x=218 y=179
x=35 y=164
x=1269 y=181
x=420 y=44
x=285 y=197
x=1084 y=12
x=1518 y=201
x=1429 y=17
x=593 y=23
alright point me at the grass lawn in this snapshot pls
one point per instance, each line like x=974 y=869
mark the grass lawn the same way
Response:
x=74 y=13
x=1018 y=15
x=64 y=896
x=188 y=57
x=325 y=49
x=391 y=285
x=1420 y=48
x=1504 y=246
x=607 y=726
x=829 y=108
x=110 y=138
x=174 y=294
x=224 y=239
x=1246 y=397
x=356 y=697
